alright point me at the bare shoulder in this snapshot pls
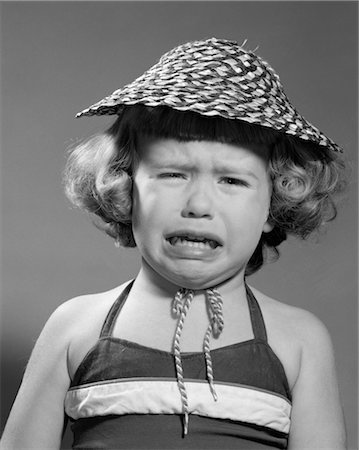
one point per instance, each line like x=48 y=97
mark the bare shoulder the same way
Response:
x=66 y=337
x=292 y=333
x=303 y=345
x=82 y=318
x=298 y=322
x=86 y=307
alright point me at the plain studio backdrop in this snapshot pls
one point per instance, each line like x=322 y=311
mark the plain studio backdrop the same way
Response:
x=60 y=57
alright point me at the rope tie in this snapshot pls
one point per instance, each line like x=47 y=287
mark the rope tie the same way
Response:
x=180 y=306
x=181 y=303
x=215 y=327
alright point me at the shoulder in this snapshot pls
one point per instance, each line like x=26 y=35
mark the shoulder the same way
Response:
x=302 y=324
x=86 y=308
x=303 y=345
x=83 y=306
x=37 y=416
x=295 y=335
x=80 y=320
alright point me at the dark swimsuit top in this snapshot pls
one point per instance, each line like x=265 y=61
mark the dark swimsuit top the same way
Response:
x=125 y=395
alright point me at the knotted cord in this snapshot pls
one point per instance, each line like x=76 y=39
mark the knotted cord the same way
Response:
x=181 y=304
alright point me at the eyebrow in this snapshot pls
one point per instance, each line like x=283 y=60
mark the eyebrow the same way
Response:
x=239 y=171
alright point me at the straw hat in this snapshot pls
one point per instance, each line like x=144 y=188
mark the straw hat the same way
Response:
x=215 y=77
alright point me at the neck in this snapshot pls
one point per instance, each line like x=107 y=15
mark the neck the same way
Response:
x=154 y=284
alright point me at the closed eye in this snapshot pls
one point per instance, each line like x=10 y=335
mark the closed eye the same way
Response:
x=171 y=175
x=234 y=181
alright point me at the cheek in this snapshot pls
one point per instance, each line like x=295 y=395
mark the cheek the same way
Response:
x=135 y=206
x=141 y=219
x=150 y=211
x=248 y=218
x=263 y=204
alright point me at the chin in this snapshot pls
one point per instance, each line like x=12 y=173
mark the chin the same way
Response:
x=200 y=280
x=190 y=280
x=197 y=281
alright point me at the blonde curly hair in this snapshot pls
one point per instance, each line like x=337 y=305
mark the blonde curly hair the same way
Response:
x=305 y=177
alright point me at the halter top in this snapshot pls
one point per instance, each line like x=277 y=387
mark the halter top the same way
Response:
x=124 y=395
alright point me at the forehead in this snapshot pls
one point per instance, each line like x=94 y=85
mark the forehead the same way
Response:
x=163 y=150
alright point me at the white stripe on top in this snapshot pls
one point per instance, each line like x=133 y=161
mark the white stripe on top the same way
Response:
x=160 y=396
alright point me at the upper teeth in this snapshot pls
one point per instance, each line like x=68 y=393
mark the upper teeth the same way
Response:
x=195 y=240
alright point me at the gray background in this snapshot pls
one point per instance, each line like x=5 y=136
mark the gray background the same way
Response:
x=59 y=57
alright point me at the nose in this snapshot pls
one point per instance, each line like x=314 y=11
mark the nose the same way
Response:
x=199 y=201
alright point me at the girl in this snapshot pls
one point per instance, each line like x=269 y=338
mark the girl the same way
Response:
x=207 y=168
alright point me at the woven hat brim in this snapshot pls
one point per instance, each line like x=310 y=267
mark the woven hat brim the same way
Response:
x=215 y=77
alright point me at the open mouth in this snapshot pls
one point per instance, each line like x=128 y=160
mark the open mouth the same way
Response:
x=193 y=241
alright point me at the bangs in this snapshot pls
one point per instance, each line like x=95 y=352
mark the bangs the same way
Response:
x=166 y=122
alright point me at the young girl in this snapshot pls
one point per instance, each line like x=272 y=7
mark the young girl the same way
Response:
x=206 y=169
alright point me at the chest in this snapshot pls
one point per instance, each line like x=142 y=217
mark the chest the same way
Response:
x=156 y=326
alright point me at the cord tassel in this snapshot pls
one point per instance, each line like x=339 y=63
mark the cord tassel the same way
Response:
x=185 y=424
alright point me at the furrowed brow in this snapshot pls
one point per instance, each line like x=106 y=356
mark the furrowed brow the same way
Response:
x=173 y=164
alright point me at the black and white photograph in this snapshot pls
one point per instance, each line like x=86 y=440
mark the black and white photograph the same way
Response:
x=179 y=225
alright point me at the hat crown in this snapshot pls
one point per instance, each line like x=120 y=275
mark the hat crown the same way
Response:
x=215 y=77
x=222 y=61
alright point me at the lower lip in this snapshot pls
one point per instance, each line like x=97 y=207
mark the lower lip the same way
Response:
x=191 y=250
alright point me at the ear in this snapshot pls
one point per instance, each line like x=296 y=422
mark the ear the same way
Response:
x=267 y=227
